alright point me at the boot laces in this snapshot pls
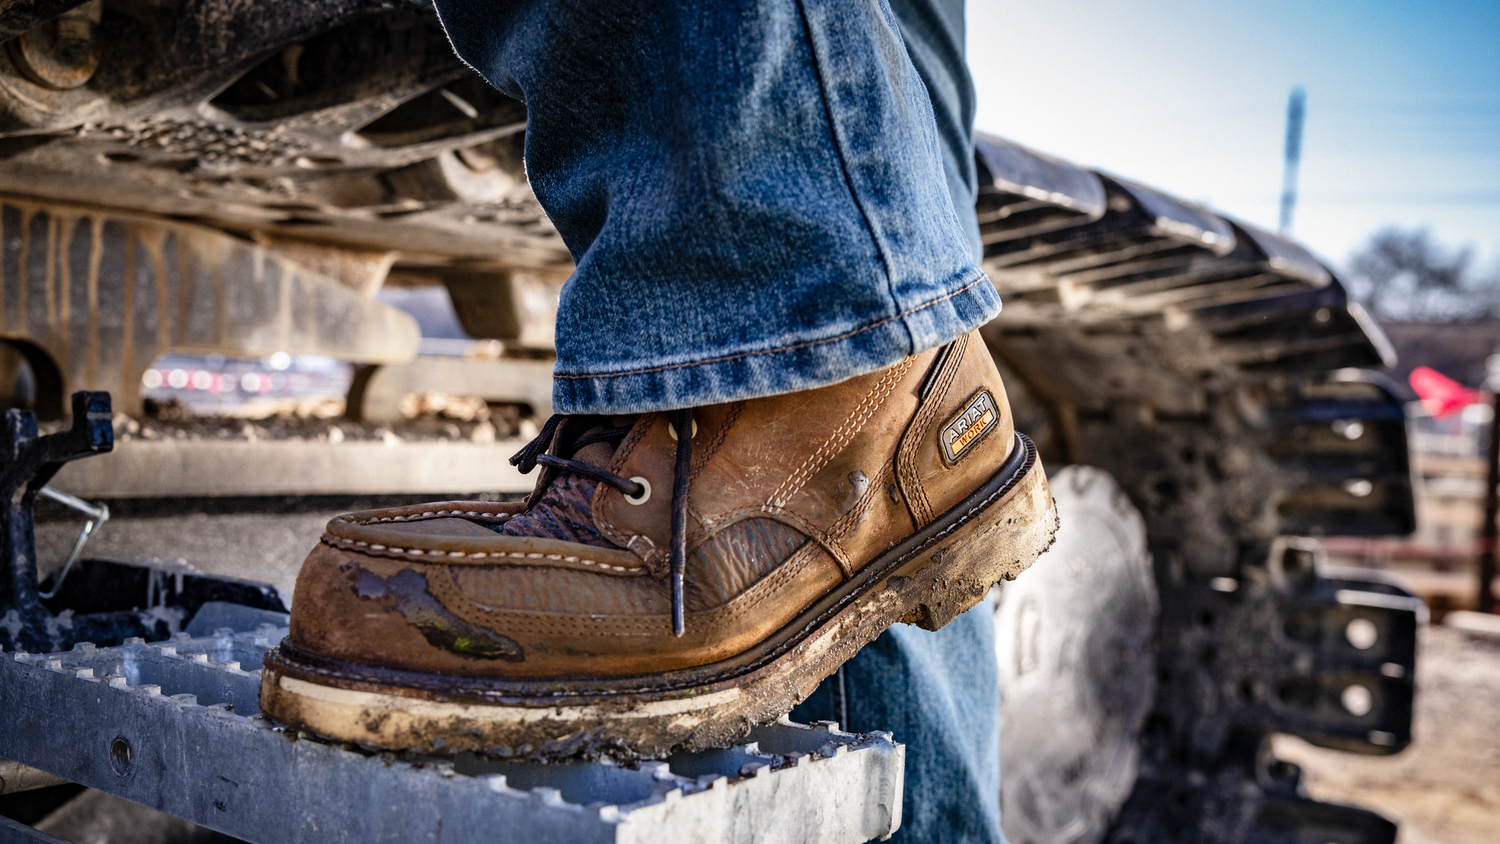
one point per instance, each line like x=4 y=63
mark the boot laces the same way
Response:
x=557 y=443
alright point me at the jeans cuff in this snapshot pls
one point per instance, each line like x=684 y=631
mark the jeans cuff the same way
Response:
x=789 y=368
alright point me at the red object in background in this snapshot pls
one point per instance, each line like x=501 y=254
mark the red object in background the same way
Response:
x=1441 y=395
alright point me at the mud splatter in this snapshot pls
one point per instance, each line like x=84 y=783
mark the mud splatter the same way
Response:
x=406 y=592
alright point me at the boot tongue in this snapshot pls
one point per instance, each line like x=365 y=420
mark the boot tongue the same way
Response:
x=563 y=510
x=599 y=454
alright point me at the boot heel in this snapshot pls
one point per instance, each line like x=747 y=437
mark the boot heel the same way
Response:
x=997 y=544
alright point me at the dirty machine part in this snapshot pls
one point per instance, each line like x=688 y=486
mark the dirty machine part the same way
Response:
x=1329 y=659
x=1216 y=373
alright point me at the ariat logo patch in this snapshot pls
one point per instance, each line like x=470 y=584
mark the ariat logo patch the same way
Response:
x=960 y=434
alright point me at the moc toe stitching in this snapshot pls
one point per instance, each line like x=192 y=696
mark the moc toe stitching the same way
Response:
x=510 y=620
x=485 y=511
x=515 y=558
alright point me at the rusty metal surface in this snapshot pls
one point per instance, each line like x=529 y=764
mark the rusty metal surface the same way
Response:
x=15 y=777
x=196 y=45
x=104 y=294
x=18 y=16
x=347 y=122
x=62 y=53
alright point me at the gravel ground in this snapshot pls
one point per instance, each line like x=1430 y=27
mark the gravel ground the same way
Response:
x=427 y=416
x=438 y=418
x=1445 y=787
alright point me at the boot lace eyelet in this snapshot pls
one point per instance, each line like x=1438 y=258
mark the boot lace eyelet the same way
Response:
x=672 y=429
x=645 y=494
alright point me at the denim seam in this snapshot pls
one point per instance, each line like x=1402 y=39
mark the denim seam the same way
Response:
x=779 y=349
x=839 y=150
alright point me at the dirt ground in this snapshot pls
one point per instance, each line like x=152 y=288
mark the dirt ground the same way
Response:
x=1445 y=787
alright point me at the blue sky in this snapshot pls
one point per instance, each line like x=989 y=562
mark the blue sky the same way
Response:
x=1403 y=105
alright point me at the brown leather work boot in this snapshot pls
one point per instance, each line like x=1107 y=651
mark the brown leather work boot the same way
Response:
x=675 y=578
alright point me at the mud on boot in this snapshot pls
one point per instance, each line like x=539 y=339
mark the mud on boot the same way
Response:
x=675 y=578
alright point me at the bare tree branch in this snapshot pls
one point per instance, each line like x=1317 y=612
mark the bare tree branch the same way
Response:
x=1402 y=274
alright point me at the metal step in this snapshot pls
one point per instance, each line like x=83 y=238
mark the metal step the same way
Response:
x=176 y=726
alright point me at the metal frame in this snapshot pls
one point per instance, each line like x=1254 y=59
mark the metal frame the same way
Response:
x=176 y=726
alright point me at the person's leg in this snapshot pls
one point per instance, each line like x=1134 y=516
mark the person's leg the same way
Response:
x=934 y=34
x=754 y=193
x=937 y=693
x=769 y=257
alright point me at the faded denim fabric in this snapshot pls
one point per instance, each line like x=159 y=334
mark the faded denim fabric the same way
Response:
x=761 y=199
x=754 y=191
x=934 y=34
x=937 y=693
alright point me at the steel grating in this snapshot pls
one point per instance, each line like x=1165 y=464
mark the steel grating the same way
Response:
x=175 y=725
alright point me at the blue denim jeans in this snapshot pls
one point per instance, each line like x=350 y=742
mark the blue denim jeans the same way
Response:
x=753 y=190
x=937 y=693
x=765 y=196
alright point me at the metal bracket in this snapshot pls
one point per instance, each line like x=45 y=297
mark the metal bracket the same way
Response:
x=1340 y=445
x=95 y=514
x=30 y=461
x=1245 y=796
x=89 y=600
x=1286 y=647
x=1283 y=648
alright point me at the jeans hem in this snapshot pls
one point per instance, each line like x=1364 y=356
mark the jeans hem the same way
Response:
x=788 y=368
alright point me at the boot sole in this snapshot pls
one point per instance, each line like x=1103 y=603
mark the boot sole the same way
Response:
x=927 y=580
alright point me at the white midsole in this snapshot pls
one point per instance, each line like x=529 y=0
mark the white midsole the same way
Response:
x=499 y=713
